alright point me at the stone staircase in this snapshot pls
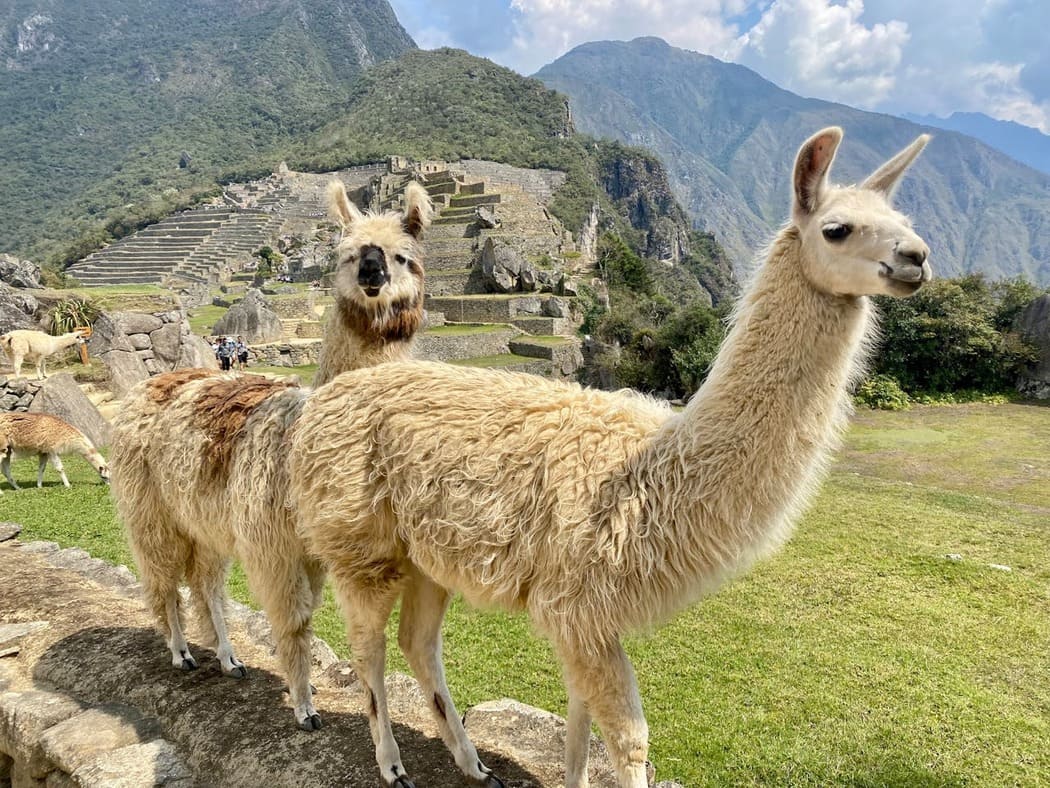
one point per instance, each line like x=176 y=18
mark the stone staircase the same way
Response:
x=203 y=245
x=474 y=327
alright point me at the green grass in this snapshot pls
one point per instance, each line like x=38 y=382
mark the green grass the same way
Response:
x=497 y=360
x=466 y=329
x=860 y=655
x=203 y=318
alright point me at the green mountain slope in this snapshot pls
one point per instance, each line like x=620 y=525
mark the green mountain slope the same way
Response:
x=448 y=104
x=728 y=139
x=103 y=98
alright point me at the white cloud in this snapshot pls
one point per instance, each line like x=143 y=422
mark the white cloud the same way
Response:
x=546 y=29
x=934 y=56
x=816 y=48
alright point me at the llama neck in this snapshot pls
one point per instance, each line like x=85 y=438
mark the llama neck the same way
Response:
x=736 y=468
x=356 y=337
x=66 y=340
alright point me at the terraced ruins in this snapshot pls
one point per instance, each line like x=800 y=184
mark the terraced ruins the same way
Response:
x=482 y=207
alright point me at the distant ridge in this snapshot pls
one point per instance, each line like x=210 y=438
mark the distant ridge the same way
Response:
x=728 y=137
x=1027 y=145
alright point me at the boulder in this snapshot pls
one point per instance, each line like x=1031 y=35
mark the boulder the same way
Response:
x=16 y=309
x=195 y=352
x=19 y=273
x=504 y=270
x=107 y=333
x=137 y=322
x=486 y=217
x=140 y=341
x=252 y=318
x=1033 y=324
x=125 y=370
x=165 y=341
x=61 y=396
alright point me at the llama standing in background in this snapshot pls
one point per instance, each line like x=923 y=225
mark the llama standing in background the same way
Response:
x=597 y=513
x=47 y=437
x=23 y=344
x=199 y=457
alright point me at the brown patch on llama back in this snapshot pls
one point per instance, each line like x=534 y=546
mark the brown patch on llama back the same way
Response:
x=401 y=320
x=36 y=431
x=222 y=408
x=162 y=389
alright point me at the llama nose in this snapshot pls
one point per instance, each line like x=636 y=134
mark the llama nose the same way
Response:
x=915 y=256
x=372 y=271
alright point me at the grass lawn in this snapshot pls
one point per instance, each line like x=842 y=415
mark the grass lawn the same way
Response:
x=902 y=638
x=203 y=318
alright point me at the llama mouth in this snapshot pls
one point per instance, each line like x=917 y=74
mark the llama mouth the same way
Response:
x=373 y=292
x=909 y=274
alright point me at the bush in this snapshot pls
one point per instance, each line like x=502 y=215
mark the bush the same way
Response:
x=67 y=315
x=882 y=392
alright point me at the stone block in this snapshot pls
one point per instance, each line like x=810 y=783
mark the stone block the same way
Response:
x=21 y=778
x=138 y=322
x=57 y=779
x=61 y=396
x=76 y=742
x=136 y=766
x=24 y=716
x=9 y=531
x=140 y=341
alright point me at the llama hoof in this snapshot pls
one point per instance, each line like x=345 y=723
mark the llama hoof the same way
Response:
x=489 y=780
x=402 y=782
x=311 y=723
x=237 y=672
x=188 y=663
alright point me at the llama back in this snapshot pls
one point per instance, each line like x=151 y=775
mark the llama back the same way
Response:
x=414 y=416
x=41 y=433
x=180 y=436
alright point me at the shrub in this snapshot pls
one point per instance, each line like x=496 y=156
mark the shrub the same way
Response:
x=70 y=313
x=882 y=392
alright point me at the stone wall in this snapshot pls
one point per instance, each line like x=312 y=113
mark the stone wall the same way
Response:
x=287 y=354
x=136 y=345
x=541 y=184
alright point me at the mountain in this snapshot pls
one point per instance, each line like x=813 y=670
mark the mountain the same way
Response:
x=728 y=138
x=448 y=104
x=149 y=102
x=1027 y=145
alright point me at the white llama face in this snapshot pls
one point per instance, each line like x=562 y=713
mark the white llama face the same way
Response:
x=853 y=242
x=378 y=263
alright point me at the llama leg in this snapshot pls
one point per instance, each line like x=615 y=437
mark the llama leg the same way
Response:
x=423 y=606
x=57 y=462
x=5 y=463
x=40 y=370
x=283 y=587
x=207 y=579
x=577 y=743
x=41 y=464
x=162 y=555
x=17 y=365
x=367 y=608
x=605 y=683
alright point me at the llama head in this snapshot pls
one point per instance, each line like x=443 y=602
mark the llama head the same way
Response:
x=98 y=462
x=853 y=241
x=379 y=258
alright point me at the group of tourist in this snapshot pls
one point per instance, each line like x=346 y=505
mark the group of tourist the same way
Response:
x=229 y=351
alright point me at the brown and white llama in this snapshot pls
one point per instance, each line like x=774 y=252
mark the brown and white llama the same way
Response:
x=47 y=437
x=199 y=457
x=36 y=346
x=597 y=513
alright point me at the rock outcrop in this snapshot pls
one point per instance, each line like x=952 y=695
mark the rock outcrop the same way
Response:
x=17 y=309
x=251 y=318
x=136 y=345
x=1034 y=326
x=19 y=273
x=60 y=396
x=91 y=657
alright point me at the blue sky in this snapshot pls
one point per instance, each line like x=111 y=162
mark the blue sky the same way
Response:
x=925 y=56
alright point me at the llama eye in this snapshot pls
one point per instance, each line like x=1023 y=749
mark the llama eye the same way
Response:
x=836 y=232
x=401 y=258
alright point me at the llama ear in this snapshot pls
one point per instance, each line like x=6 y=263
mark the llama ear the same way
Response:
x=419 y=210
x=884 y=180
x=811 y=169
x=340 y=209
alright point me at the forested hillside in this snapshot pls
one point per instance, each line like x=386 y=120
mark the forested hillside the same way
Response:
x=142 y=103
